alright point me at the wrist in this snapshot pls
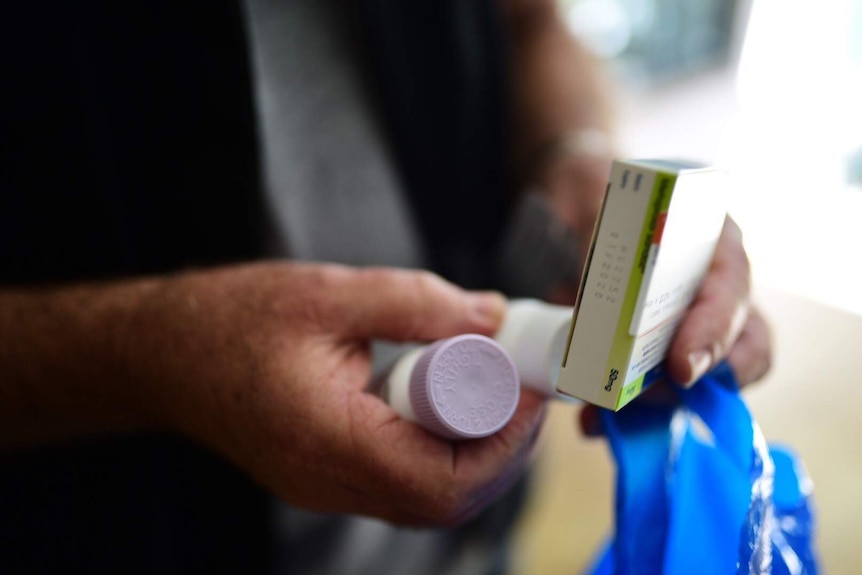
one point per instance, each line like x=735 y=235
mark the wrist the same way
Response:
x=582 y=147
x=63 y=370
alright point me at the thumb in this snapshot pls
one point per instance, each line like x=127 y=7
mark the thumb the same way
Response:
x=402 y=305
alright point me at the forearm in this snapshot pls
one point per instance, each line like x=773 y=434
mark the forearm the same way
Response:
x=63 y=368
x=562 y=142
x=558 y=87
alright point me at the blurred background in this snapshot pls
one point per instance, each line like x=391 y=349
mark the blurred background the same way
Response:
x=772 y=91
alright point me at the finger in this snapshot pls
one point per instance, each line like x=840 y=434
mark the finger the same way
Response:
x=489 y=467
x=440 y=481
x=751 y=355
x=590 y=421
x=403 y=305
x=718 y=314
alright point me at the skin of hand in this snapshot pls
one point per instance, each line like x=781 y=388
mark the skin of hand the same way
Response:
x=275 y=377
x=267 y=364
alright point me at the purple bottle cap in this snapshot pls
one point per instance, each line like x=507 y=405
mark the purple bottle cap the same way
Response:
x=464 y=387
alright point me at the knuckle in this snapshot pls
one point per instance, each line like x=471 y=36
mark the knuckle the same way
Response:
x=727 y=327
x=422 y=295
x=323 y=279
x=443 y=503
x=427 y=283
x=376 y=276
x=316 y=307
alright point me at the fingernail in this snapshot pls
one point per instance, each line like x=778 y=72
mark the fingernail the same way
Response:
x=488 y=307
x=698 y=362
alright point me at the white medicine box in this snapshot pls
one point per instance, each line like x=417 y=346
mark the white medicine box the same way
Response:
x=652 y=245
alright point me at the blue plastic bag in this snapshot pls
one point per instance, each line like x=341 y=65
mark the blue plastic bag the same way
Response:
x=699 y=492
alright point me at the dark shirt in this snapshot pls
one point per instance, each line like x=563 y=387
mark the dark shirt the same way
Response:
x=128 y=146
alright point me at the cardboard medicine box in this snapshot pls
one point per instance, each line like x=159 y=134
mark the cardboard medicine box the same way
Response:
x=652 y=245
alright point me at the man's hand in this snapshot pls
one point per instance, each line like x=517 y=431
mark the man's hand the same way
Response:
x=720 y=324
x=267 y=364
x=561 y=99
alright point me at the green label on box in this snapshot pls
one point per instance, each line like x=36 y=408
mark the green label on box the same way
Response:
x=629 y=392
